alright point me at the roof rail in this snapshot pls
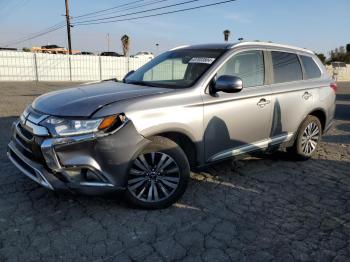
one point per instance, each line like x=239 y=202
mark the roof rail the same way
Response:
x=179 y=47
x=267 y=44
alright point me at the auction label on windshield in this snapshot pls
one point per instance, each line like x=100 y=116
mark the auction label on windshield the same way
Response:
x=201 y=60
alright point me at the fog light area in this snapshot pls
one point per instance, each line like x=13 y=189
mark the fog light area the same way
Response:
x=82 y=175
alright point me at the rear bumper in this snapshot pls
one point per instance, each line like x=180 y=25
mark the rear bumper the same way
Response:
x=87 y=164
x=330 y=113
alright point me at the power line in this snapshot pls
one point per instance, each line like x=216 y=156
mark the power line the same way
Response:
x=159 y=14
x=107 y=9
x=61 y=24
x=35 y=35
x=139 y=12
x=149 y=3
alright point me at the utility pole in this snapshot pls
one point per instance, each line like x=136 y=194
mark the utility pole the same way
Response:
x=68 y=28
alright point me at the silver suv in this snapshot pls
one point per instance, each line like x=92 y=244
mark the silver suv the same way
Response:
x=187 y=108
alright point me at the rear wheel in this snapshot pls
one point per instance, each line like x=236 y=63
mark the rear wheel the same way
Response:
x=158 y=176
x=308 y=138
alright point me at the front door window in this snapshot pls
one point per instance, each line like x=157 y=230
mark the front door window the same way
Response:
x=249 y=66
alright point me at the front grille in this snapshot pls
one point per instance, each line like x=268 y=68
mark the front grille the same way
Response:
x=29 y=168
x=23 y=164
x=24 y=147
x=30 y=148
x=24 y=143
x=28 y=135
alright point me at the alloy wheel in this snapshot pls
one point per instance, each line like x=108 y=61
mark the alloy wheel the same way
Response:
x=310 y=138
x=153 y=177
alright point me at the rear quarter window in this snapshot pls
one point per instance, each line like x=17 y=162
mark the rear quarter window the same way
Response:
x=310 y=67
x=286 y=67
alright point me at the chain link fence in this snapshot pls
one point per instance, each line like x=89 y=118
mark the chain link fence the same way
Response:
x=22 y=66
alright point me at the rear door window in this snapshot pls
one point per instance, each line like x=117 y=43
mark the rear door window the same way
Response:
x=310 y=67
x=286 y=67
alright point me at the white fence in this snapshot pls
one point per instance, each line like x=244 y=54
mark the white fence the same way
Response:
x=22 y=66
x=339 y=73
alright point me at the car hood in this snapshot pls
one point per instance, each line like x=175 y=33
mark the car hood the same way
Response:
x=84 y=100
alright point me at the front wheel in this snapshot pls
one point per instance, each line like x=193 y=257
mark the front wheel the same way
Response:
x=158 y=175
x=308 y=138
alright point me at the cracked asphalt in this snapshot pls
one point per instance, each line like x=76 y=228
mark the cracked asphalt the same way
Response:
x=265 y=208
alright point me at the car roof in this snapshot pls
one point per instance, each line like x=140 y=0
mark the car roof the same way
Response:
x=203 y=46
x=244 y=43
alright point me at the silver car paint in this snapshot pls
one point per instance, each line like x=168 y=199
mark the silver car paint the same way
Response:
x=229 y=124
x=220 y=125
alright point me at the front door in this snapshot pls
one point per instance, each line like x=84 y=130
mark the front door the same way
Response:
x=236 y=123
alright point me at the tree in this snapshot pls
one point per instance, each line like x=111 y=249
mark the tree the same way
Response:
x=322 y=57
x=342 y=50
x=348 y=48
x=226 y=35
x=125 y=44
x=336 y=51
x=26 y=49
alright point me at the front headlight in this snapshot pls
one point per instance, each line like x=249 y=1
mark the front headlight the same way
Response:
x=68 y=127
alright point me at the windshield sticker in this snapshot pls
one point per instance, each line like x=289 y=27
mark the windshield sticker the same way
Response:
x=201 y=60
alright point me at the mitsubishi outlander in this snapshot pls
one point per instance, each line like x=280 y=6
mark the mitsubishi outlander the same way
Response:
x=185 y=109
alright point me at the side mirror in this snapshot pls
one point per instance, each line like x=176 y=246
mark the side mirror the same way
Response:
x=128 y=74
x=228 y=84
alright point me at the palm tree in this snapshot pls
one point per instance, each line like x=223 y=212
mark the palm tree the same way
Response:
x=226 y=34
x=125 y=44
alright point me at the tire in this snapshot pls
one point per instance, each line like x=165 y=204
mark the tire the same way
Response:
x=158 y=176
x=308 y=138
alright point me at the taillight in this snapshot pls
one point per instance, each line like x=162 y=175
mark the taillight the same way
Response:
x=334 y=86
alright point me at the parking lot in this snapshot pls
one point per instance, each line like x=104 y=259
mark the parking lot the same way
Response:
x=254 y=209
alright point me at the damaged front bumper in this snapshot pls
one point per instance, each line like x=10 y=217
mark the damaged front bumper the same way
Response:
x=89 y=163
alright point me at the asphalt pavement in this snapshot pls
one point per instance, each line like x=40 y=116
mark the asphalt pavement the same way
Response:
x=266 y=208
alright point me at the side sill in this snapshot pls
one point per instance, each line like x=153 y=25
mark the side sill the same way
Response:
x=251 y=147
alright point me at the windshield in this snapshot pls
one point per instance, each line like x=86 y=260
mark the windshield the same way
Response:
x=175 y=69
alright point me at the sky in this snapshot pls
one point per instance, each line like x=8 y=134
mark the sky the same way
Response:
x=319 y=25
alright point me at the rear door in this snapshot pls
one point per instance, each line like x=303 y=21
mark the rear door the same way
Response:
x=292 y=97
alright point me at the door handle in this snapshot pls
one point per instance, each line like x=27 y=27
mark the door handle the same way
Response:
x=306 y=95
x=263 y=102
